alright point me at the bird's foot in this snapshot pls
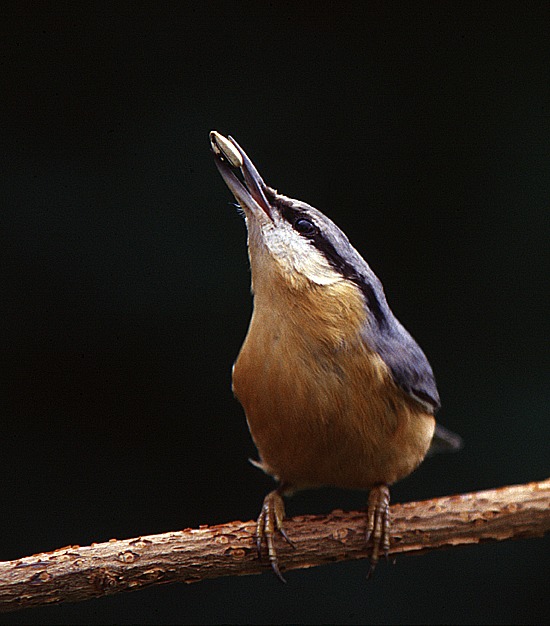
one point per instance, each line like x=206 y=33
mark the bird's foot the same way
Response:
x=270 y=522
x=378 y=524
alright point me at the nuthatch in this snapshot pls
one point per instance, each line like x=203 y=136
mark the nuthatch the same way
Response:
x=336 y=392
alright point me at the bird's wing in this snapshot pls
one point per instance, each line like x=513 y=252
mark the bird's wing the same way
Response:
x=408 y=364
x=412 y=372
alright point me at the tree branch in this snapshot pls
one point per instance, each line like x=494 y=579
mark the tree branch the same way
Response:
x=77 y=573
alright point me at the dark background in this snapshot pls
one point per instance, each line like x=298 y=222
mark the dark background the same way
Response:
x=422 y=129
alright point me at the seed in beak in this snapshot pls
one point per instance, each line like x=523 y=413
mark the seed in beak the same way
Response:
x=223 y=147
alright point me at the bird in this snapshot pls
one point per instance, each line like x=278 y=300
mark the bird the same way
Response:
x=335 y=391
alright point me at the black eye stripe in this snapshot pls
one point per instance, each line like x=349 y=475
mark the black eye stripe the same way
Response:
x=327 y=249
x=297 y=219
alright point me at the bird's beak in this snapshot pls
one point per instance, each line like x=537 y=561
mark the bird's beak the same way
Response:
x=228 y=156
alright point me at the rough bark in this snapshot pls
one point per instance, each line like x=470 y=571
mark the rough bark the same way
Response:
x=77 y=573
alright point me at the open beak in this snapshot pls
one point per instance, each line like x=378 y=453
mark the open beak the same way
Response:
x=229 y=156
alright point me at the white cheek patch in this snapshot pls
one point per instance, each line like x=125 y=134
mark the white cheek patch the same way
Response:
x=296 y=252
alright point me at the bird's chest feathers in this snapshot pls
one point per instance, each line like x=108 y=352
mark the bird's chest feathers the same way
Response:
x=305 y=301
x=314 y=394
x=304 y=359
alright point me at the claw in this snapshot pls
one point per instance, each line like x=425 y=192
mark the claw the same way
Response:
x=260 y=522
x=378 y=524
x=270 y=522
x=286 y=537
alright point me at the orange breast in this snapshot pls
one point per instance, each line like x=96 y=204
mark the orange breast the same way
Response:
x=321 y=407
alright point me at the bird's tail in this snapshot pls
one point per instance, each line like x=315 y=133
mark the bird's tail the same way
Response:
x=444 y=441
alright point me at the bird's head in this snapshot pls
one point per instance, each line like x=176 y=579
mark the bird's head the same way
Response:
x=286 y=235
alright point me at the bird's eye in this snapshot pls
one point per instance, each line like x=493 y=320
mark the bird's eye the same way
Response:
x=305 y=227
